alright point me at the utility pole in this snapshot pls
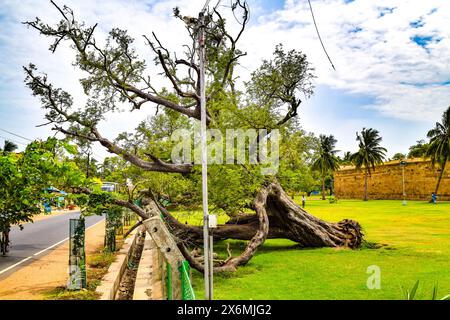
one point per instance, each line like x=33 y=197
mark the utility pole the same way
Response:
x=207 y=239
x=88 y=164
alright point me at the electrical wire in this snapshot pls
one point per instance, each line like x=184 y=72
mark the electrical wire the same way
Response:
x=318 y=34
x=206 y=5
x=13 y=140
x=15 y=134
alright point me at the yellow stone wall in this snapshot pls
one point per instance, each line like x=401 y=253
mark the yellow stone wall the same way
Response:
x=386 y=181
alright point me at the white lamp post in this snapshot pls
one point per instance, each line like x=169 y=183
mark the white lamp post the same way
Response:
x=403 y=164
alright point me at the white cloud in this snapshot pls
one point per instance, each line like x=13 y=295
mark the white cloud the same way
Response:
x=380 y=60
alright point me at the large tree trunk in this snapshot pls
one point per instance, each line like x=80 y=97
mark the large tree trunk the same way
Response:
x=323 y=188
x=277 y=216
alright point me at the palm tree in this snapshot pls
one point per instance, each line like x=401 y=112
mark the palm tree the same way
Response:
x=370 y=153
x=8 y=147
x=326 y=160
x=347 y=158
x=439 y=146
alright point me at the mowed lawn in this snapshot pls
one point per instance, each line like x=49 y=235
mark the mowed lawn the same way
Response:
x=416 y=241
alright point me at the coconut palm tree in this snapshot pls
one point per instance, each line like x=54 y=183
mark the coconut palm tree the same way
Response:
x=439 y=146
x=326 y=160
x=346 y=159
x=370 y=153
x=8 y=147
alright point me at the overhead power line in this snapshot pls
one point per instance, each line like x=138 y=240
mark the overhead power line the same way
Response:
x=13 y=140
x=206 y=5
x=15 y=134
x=318 y=34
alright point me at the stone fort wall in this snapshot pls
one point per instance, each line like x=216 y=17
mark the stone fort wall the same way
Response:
x=386 y=181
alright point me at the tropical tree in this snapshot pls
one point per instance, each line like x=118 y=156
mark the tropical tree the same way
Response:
x=439 y=145
x=8 y=147
x=418 y=150
x=370 y=153
x=346 y=159
x=296 y=155
x=326 y=160
x=399 y=156
x=115 y=74
x=25 y=177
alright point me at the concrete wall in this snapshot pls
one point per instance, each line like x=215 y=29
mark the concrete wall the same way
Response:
x=386 y=181
x=111 y=280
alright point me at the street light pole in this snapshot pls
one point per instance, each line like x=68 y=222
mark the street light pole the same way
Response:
x=207 y=239
x=403 y=164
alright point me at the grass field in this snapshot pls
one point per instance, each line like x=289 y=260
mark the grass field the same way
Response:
x=416 y=246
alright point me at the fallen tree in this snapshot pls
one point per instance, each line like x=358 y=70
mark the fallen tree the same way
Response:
x=276 y=216
x=115 y=75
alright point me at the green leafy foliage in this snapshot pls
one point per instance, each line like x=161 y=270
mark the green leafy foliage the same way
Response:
x=297 y=150
x=410 y=294
x=370 y=152
x=418 y=150
x=8 y=147
x=332 y=199
x=439 y=146
x=25 y=177
x=116 y=74
x=326 y=161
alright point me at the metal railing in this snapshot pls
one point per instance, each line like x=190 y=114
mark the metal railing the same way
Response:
x=187 y=291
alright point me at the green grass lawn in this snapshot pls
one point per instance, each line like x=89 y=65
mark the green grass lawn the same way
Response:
x=416 y=241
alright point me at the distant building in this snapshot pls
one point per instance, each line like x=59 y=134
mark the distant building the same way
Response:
x=110 y=187
x=386 y=181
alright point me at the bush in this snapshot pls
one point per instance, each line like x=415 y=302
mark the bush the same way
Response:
x=61 y=293
x=101 y=260
x=333 y=199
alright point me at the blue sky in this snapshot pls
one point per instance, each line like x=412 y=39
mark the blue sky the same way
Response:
x=391 y=57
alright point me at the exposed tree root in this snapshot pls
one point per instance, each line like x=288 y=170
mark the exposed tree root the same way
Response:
x=277 y=216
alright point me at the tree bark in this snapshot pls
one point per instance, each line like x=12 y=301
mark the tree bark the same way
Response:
x=323 y=188
x=277 y=216
x=366 y=197
x=440 y=176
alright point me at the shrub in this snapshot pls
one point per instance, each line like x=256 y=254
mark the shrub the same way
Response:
x=332 y=199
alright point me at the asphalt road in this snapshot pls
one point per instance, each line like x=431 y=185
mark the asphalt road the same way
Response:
x=37 y=239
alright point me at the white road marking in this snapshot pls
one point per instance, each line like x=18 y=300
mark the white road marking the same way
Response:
x=15 y=265
x=53 y=245
x=38 y=253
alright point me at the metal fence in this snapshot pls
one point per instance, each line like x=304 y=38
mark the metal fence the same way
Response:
x=110 y=233
x=187 y=291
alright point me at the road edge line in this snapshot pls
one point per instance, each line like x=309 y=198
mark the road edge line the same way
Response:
x=42 y=251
